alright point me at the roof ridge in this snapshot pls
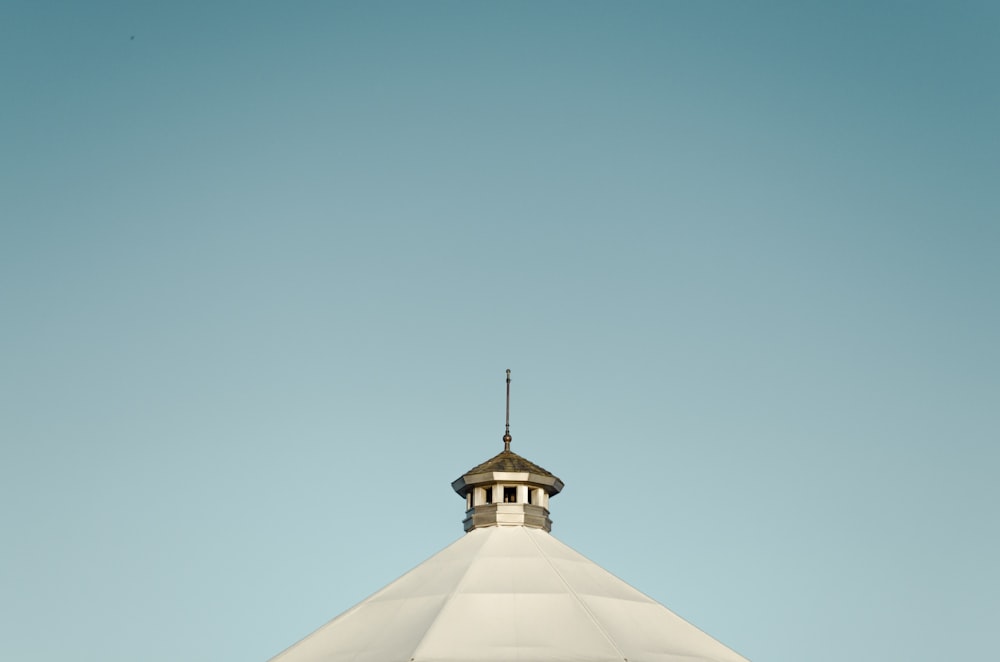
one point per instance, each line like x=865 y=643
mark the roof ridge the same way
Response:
x=583 y=605
x=448 y=599
x=360 y=605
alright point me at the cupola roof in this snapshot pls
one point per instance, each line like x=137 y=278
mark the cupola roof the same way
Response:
x=508 y=461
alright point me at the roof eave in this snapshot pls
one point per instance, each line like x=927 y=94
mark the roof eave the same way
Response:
x=551 y=484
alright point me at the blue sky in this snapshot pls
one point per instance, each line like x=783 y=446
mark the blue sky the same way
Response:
x=262 y=267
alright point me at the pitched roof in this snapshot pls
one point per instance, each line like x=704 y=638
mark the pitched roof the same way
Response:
x=508 y=593
x=508 y=461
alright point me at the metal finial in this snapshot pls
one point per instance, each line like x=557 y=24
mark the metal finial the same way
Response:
x=506 y=434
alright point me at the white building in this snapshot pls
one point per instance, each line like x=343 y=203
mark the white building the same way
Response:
x=508 y=591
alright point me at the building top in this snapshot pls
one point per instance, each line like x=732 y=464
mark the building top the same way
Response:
x=507 y=489
x=508 y=590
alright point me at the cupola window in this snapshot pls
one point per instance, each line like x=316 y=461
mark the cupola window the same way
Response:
x=510 y=495
x=489 y=495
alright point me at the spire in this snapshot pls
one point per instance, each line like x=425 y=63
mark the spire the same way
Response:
x=506 y=435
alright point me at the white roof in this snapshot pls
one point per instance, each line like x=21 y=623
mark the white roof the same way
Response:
x=503 y=594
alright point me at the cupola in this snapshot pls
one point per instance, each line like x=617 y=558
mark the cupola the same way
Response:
x=507 y=489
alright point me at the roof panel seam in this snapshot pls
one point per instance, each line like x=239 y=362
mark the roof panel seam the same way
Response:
x=579 y=600
x=444 y=605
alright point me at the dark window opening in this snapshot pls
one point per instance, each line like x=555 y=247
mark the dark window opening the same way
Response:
x=489 y=495
x=510 y=495
x=531 y=496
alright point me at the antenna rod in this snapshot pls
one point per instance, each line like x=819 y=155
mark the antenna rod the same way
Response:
x=506 y=434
